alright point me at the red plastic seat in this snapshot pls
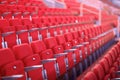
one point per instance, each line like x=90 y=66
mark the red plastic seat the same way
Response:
x=22 y=31
x=90 y=76
x=104 y=63
x=66 y=46
x=99 y=71
x=33 y=59
x=39 y=47
x=29 y=59
x=9 y=66
x=32 y=28
x=41 y=24
x=8 y=33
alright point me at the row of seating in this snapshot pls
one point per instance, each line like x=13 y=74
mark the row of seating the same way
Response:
x=55 y=57
x=73 y=6
x=18 y=11
x=23 y=2
x=17 y=31
x=106 y=68
x=41 y=43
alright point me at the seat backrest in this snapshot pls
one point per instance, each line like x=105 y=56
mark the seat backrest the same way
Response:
x=104 y=63
x=38 y=46
x=117 y=48
x=90 y=76
x=22 y=51
x=37 y=21
x=26 y=22
x=99 y=71
x=21 y=7
x=4 y=22
x=50 y=42
x=75 y=35
x=60 y=39
x=9 y=66
x=8 y=33
x=109 y=59
x=112 y=54
x=68 y=37
x=6 y=56
x=15 y=22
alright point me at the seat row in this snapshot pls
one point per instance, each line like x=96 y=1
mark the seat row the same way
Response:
x=17 y=31
x=19 y=11
x=107 y=67
x=23 y=2
x=55 y=57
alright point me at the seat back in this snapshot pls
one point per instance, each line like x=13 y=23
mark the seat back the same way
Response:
x=20 y=49
x=24 y=53
x=9 y=65
x=22 y=33
x=8 y=33
x=50 y=42
x=32 y=29
x=90 y=76
x=99 y=71
x=104 y=63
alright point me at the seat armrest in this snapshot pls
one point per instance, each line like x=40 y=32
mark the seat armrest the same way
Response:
x=48 y=60
x=30 y=68
x=33 y=29
x=69 y=50
x=115 y=79
x=94 y=38
x=13 y=77
x=7 y=33
x=43 y=28
x=60 y=54
x=52 y=27
x=26 y=13
x=77 y=46
x=117 y=72
x=85 y=43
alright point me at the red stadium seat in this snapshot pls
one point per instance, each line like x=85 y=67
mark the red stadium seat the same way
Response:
x=22 y=31
x=90 y=76
x=33 y=59
x=39 y=47
x=8 y=33
x=32 y=29
x=29 y=59
x=99 y=71
x=9 y=66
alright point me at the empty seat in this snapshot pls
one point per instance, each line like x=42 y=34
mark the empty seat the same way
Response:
x=32 y=28
x=33 y=59
x=8 y=33
x=9 y=66
x=29 y=59
x=39 y=22
x=39 y=47
x=90 y=76
x=21 y=31
x=99 y=71
x=52 y=44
